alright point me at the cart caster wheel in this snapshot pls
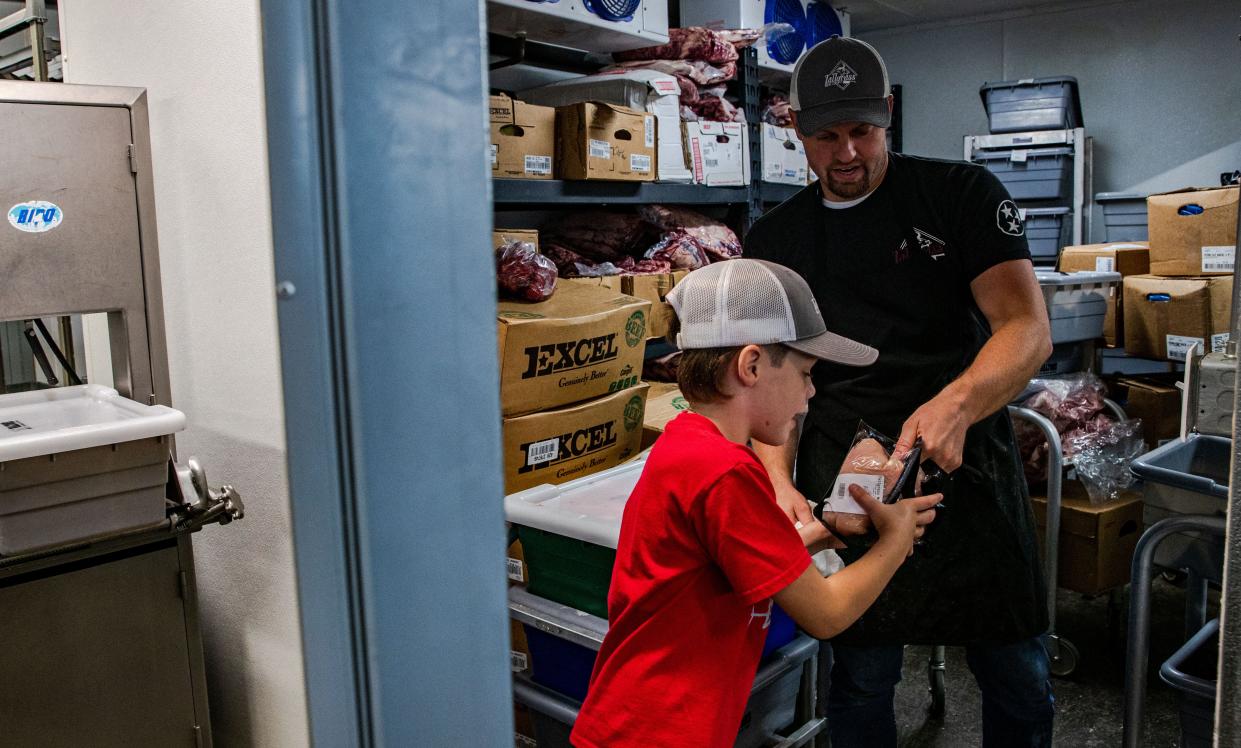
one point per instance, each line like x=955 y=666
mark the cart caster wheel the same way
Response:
x=936 y=709
x=1063 y=656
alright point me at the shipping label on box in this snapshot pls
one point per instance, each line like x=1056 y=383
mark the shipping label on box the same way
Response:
x=1193 y=232
x=559 y=445
x=784 y=157
x=523 y=139
x=1167 y=317
x=581 y=343
x=719 y=153
x=500 y=237
x=655 y=289
x=604 y=141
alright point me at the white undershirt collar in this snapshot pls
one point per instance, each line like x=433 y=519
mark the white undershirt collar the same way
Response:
x=847 y=203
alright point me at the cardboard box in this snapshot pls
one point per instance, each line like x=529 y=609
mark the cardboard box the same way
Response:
x=655 y=289
x=640 y=90
x=1204 y=244
x=523 y=727
x=605 y=141
x=500 y=237
x=1156 y=400
x=663 y=403
x=610 y=282
x=523 y=139
x=784 y=157
x=1165 y=317
x=719 y=153
x=1096 y=542
x=519 y=648
x=515 y=564
x=581 y=343
x=1126 y=258
x=555 y=446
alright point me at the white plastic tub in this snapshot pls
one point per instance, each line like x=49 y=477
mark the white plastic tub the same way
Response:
x=1077 y=302
x=79 y=462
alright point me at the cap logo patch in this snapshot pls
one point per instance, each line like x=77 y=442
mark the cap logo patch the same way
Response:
x=842 y=76
x=1008 y=219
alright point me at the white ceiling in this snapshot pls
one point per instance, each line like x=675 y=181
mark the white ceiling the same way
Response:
x=871 y=15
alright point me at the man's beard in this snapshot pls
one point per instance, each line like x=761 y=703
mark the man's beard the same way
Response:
x=850 y=190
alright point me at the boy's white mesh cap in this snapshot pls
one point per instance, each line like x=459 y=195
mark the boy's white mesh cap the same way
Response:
x=743 y=302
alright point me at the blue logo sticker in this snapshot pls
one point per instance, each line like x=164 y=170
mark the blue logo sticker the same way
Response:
x=35 y=216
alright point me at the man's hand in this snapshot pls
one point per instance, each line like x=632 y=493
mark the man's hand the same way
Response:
x=941 y=423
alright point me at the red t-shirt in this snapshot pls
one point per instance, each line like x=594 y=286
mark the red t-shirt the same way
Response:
x=703 y=547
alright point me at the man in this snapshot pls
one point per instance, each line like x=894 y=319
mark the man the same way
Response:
x=926 y=261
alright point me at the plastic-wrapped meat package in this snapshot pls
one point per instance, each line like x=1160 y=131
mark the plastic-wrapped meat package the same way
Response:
x=692 y=43
x=717 y=240
x=717 y=91
x=869 y=463
x=1074 y=405
x=600 y=236
x=776 y=111
x=715 y=109
x=699 y=71
x=525 y=274
x=662 y=369
x=1102 y=458
x=634 y=266
x=679 y=250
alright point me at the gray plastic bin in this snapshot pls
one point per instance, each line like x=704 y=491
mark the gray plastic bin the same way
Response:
x=1187 y=477
x=1045 y=233
x=1032 y=104
x=1076 y=302
x=1192 y=670
x=1032 y=174
x=1124 y=216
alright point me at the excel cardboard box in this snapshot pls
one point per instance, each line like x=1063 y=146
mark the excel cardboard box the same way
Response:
x=523 y=139
x=719 y=153
x=1096 y=542
x=500 y=237
x=655 y=289
x=783 y=157
x=610 y=282
x=605 y=141
x=1166 y=317
x=1126 y=258
x=555 y=446
x=581 y=343
x=1156 y=400
x=1201 y=243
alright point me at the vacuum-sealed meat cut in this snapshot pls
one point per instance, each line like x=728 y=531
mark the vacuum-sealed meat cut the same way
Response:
x=525 y=274
x=691 y=43
x=714 y=237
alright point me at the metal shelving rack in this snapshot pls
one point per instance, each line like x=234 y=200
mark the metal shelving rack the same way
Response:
x=1076 y=139
x=29 y=20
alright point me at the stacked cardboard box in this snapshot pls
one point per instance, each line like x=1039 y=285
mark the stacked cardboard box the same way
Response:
x=784 y=157
x=523 y=139
x=500 y=237
x=1153 y=398
x=1096 y=541
x=605 y=141
x=1186 y=300
x=570 y=389
x=719 y=153
x=1126 y=258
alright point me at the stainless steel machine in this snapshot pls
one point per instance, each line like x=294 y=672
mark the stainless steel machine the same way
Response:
x=99 y=633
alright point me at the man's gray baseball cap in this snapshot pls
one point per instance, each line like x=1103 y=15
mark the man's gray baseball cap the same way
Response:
x=839 y=80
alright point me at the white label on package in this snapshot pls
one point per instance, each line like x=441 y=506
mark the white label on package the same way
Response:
x=1218 y=341
x=519 y=661
x=538 y=164
x=600 y=149
x=514 y=570
x=1218 y=259
x=649 y=123
x=640 y=162
x=1104 y=264
x=544 y=451
x=842 y=501
x=1180 y=345
x=495 y=150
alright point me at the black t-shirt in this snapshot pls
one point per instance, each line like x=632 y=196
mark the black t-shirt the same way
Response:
x=894 y=272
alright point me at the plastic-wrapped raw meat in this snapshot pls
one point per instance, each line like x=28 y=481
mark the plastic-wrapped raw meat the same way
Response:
x=524 y=273
x=715 y=109
x=717 y=240
x=692 y=43
x=679 y=250
x=776 y=111
x=868 y=464
x=699 y=71
x=1074 y=404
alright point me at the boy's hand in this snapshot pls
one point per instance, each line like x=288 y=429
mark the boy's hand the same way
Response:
x=902 y=521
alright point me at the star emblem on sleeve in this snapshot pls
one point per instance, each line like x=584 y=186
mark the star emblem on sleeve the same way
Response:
x=1008 y=219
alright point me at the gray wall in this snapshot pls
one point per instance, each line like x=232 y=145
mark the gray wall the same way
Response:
x=1160 y=84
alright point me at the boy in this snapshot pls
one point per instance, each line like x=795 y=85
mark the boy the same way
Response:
x=704 y=548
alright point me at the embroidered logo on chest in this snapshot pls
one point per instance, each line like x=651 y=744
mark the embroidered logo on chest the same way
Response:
x=931 y=245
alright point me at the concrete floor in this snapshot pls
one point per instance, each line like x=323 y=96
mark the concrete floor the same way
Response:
x=1089 y=702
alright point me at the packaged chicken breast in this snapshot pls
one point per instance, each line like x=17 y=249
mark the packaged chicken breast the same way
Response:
x=870 y=464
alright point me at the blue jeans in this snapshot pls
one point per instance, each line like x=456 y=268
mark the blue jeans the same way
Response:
x=1017 y=703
